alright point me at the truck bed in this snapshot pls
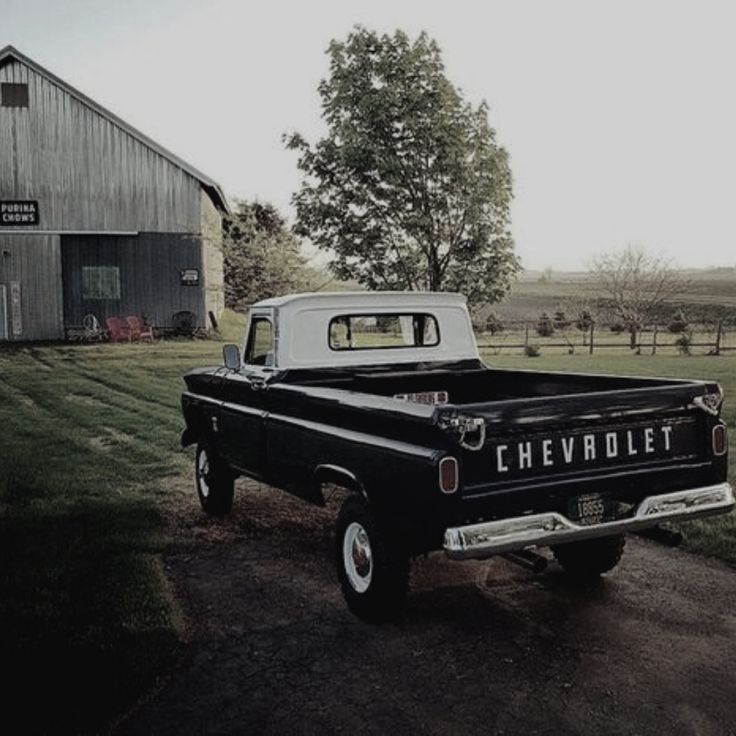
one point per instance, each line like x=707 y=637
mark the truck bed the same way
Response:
x=472 y=383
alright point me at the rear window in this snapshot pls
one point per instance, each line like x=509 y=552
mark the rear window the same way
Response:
x=381 y=331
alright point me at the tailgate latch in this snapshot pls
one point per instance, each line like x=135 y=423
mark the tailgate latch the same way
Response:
x=470 y=432
x=709 y=403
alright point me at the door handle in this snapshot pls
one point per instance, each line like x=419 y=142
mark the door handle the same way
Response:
x=257 y=383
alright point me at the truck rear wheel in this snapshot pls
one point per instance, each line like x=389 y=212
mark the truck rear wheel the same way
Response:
x=215 y=482
x=590 y=558
x=372 y=568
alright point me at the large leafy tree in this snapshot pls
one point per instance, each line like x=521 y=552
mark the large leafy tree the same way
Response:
x=262 y=256
x=409 y=189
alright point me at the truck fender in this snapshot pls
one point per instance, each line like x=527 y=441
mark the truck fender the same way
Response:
x=329 y=473
x=189 y=436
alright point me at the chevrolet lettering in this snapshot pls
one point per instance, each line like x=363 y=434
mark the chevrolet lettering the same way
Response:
x=591 y=447
x=384 y=397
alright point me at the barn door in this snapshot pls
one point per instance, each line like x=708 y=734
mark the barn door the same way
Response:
x=3 y=312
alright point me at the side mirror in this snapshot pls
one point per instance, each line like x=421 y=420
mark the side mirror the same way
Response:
x=231 y=357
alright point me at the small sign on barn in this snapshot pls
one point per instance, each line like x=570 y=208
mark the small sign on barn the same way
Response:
x=189 y=276
x=14 y=212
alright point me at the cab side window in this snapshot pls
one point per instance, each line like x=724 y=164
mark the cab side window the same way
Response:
x=259 y=349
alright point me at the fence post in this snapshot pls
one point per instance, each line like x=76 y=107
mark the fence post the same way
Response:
x=590 y=345
x=719 y=332
x=526 y=334
x=654 y=340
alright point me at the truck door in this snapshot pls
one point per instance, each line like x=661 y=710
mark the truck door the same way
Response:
x=241 y=423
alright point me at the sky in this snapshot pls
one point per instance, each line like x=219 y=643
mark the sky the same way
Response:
x=619 y=117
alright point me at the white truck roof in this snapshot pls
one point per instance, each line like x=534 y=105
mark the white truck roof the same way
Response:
x=302 y=324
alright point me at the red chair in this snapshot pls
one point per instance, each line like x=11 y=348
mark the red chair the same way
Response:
x=117 y=330
x=137 y=331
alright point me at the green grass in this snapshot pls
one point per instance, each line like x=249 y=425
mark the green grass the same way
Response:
x=716 y=536
x=89 y=440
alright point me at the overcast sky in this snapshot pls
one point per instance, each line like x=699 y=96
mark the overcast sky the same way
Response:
x=620 y=117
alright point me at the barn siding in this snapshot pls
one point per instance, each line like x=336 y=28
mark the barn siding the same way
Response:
x=34 y=262
x=150 y=276
x=86 y=172
x=212 y=258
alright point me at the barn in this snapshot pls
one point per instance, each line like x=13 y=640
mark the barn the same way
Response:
x=95 y=217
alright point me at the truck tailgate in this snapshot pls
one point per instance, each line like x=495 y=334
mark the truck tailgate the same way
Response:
x=569 y=438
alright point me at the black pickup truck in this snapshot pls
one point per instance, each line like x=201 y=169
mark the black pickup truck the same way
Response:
x=384 y=395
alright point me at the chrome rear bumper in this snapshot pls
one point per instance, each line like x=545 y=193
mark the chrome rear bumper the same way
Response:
x=543 y=530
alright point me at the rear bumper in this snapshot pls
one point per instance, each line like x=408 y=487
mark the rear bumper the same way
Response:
x=477 y=541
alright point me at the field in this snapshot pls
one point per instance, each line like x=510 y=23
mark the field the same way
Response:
x=703 y=291
x=90 y=480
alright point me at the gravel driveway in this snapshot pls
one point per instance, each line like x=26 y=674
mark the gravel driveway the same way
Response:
x=485 y=648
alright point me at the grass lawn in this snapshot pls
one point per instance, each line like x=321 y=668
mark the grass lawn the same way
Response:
x=88 y=439
x=89 y=454
x=717 y=536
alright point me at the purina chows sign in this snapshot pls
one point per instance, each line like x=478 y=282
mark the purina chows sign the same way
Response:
x=14 y=212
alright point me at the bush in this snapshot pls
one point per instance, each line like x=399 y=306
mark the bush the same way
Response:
x=560 y=320
x=532 y=351
x=584 y=321
x=493 y=324
x=545 y=328
x=678 y=325
x=683 y=344
x=617 y=328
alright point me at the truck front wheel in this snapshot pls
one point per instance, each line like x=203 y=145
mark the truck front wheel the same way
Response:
x=215 y=482
x=590 y=558
x=372 y=568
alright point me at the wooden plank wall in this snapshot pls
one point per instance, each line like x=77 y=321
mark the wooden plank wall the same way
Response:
x=33 y=261
x=86 y=172
x=150 y=266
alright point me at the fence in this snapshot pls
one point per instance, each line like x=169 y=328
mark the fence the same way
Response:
x=715 y=338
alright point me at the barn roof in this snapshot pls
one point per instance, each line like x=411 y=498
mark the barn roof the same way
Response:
x=213 y=189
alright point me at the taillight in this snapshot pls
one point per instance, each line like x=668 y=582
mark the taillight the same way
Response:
x=449 y=475
x=720 y=441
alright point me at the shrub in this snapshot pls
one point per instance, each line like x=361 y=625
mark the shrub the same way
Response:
x=560 y=320
x=532 y=351
x=617 y=328
x=678 y=325
x=545 y=328
x=584 y=321
x=493 y=324
x=684 y=343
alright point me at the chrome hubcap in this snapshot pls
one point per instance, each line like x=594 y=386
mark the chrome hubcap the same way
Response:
x=203 y=473
x=357 y=557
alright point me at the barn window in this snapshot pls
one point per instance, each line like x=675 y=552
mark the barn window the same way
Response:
x=100 y=282
x=13 y=95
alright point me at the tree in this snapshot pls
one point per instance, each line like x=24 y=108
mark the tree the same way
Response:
x=409 y=189
x=636 y=285
x=581 y=311
x=262 y=257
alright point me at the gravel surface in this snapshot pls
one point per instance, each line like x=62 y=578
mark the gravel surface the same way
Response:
x=484 y=648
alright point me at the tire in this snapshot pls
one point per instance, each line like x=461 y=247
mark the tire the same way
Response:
x=215 y=482
x=589 y=559
x=372 y=568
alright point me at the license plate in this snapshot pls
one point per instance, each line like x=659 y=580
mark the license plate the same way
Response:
x=591 y=508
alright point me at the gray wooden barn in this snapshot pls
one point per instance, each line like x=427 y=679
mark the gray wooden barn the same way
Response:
x=95 y=217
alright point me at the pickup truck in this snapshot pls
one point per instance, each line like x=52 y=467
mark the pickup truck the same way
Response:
x=384 y=394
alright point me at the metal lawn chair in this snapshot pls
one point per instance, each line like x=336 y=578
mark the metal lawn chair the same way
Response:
x=92 y=329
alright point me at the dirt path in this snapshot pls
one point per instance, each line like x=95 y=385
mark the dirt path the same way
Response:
x=484 y=648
